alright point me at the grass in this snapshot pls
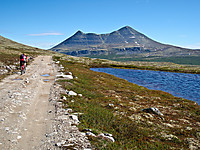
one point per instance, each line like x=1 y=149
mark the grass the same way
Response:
x=131 y=128
x=186 y=60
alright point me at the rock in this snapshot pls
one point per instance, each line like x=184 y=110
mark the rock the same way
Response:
x=57 y=62
x=7 y=128
x=51 y=134
x=136 y=118
x=188 y=128
x=75 y=119
x=68 y=77
x=17 y=93
x=116 y=108
x=80 y=95
x=153 y=110
x=63 y=117
x=59 y=144
x=19 y=137
x=138 y=97
x=169 y=137
x=111 y=105
x=109 y=138
x=59 y=104
x=27 y=80
x=185 y=121
x=64 y=98
x=108 y=134
x=68 y=146
x=86 y=130
x=69 y=110
x=132 y=109
x=71 y=93
x=78 y=113
x=168 y=125
x=148 y=116
x=90 y=134
x=82 y=133
x=68 y=73
x=8 y=68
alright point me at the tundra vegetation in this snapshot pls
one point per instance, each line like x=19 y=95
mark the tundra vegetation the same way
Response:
x=113 y=105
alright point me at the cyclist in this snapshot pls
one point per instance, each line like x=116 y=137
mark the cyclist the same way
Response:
x=23 y=60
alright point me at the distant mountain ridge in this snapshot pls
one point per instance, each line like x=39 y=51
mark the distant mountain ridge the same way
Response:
x=125 y=41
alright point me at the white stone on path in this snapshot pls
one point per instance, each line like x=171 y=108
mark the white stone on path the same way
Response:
x=69 y=77
x=71 y=93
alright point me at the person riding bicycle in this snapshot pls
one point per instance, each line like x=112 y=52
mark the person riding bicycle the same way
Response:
x=23 y=59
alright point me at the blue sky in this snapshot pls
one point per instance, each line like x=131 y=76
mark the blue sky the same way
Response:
x=45 y=23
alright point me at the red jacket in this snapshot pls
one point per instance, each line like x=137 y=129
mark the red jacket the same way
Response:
x=23 y=58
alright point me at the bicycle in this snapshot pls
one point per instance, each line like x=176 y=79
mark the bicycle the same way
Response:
x=23 y=68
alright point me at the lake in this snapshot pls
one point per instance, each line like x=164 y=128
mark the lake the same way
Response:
x=178 y=84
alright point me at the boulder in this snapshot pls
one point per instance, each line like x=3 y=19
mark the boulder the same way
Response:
x=71 y=93
x=153 y=110
x=106 y=137
x=69 y=77
x=75 y=119
x=64 y=98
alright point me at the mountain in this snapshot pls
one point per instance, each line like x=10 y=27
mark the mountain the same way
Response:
x=123 y=42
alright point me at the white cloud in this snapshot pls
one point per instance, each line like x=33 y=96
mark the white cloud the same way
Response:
x=46 y=34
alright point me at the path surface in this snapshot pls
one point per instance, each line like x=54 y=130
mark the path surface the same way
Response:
x=24 y=106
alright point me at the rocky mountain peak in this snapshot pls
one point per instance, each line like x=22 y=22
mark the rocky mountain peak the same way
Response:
x=79 y=33
x=124 y=41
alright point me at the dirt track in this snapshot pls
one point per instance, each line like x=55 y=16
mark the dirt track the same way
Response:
x=24 y=106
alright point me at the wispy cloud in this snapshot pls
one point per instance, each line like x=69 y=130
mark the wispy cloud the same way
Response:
x=46 y=34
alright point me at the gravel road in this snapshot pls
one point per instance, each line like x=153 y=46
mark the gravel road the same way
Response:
x=28 y=119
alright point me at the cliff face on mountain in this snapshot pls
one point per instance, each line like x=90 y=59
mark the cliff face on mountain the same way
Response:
x=125 y=41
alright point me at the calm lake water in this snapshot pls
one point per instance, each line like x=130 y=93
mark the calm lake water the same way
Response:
x=178 y=84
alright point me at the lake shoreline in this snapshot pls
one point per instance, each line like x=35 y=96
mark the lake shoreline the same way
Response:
x=164 y=81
